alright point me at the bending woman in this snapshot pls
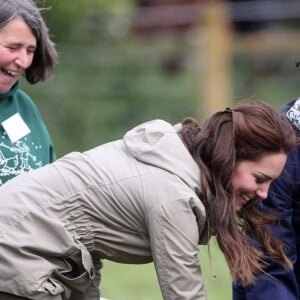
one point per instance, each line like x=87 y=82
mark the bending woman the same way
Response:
x=154 y=195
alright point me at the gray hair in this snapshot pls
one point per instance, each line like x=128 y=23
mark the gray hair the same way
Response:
x=45 y=56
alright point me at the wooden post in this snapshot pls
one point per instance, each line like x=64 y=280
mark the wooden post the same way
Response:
x=215 y=57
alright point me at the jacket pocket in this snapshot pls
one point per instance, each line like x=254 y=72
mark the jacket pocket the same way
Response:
x=75 y=272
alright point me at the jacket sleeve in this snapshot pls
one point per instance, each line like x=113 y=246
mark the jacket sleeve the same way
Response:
x=174 y=237
x=278 y=283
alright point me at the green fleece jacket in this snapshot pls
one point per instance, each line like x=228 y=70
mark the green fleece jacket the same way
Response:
x=25 y=143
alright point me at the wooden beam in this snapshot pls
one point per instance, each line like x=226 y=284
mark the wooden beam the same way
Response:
x=215 y=57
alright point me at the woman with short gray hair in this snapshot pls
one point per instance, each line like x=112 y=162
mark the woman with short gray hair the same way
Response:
x=45 y=55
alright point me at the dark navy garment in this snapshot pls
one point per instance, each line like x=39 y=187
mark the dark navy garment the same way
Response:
x=279 y=283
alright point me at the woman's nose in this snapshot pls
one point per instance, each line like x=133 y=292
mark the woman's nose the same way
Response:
x=23 y=59
x=262 y=192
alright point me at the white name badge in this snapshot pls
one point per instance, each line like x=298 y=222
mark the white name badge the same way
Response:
x=15 y=127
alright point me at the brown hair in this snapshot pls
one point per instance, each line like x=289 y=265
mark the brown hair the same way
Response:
x=247 y=132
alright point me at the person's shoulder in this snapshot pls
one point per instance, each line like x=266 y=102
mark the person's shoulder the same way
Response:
x=285 y=107
x=25 y=99
x=291 y=111
x=22 y=94
x=26 y=105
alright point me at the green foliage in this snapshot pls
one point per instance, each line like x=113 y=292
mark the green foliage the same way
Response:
x=62 y=16
x=105 y=85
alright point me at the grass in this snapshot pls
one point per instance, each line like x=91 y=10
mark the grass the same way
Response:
x=136 y=282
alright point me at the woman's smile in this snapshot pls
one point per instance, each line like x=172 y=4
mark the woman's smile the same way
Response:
x=251 y=179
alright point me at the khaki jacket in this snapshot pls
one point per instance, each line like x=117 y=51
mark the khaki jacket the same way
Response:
x=132 y=201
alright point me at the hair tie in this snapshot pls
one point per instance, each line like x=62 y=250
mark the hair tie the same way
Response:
x=227 y=111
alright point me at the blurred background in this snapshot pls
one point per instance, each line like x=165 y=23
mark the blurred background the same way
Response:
x=123 y=62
